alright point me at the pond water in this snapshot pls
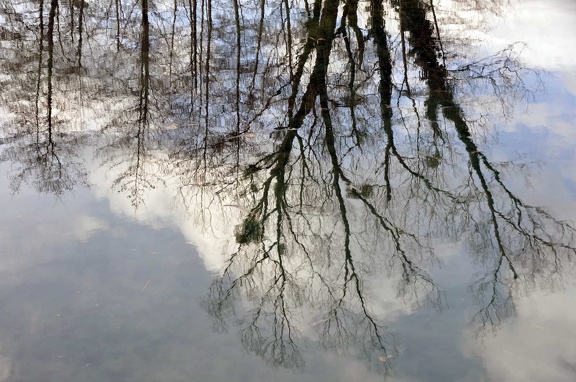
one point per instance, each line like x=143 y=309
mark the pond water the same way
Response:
x=265 y=190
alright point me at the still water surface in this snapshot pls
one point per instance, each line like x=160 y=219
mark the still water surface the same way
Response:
x=288 y=191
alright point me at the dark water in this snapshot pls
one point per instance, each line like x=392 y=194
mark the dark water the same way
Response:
x=287 y=191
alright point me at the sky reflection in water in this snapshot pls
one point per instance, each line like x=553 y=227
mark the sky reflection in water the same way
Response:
x=142 y=242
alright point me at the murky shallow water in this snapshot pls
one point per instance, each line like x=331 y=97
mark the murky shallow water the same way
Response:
x=271 y=223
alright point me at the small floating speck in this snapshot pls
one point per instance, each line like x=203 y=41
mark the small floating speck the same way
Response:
x=384 y=358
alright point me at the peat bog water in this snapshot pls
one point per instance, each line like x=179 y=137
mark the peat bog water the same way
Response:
x=287 y=190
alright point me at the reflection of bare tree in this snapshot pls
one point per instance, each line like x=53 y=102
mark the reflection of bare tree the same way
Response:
x=129 y=148
x=278 y=258
x=289 y=119
x=46 y=156
x=49 y=166
x=277 y=261
x=130 y=155
x=507 y=233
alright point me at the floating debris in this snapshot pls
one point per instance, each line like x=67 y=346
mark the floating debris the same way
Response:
x=384 y=358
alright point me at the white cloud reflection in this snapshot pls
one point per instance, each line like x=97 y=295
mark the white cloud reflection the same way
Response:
x=33 y=225
x=548 y=27
x=208 y=230
x=539 y=344
x=569 y=80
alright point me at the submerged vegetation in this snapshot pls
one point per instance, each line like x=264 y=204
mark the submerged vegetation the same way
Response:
x=250 y=231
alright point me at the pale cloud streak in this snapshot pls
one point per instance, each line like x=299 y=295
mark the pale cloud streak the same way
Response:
x=537 y=345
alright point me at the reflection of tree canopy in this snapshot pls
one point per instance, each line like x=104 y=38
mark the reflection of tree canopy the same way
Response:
x=340 y=132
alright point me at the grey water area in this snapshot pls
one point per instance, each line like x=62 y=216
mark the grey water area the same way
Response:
x=171 y=213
